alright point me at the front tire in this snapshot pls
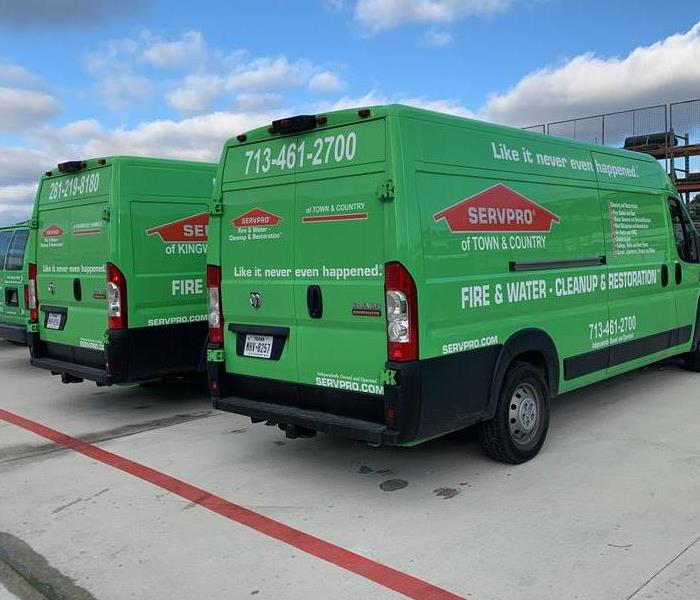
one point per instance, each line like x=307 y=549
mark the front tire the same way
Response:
x=519 y=427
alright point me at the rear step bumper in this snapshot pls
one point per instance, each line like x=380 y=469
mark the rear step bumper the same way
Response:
x=348 y=427
x=99 y=376
x=133 y=355
x=13 y=333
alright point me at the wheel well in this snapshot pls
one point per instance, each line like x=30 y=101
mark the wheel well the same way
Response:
x=535 y=358
x=533 y=346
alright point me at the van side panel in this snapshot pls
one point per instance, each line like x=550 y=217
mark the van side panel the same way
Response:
x=503 y=250
x=165 y=243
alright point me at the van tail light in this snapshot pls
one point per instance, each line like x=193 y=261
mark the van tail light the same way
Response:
x=31 y=298
x=216 y=319
x=401 y=313
x=116 y=298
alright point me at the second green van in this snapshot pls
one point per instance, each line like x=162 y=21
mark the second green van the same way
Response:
x=116 y=274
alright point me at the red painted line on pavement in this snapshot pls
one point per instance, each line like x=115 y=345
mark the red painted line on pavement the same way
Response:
x=398 y=581
x=325 y=218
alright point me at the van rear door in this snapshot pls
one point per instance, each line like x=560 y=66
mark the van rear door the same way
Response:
x=303 y=258
x=72 y=242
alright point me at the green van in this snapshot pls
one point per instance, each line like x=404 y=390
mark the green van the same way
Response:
x=390 y=274
x=116 y=273
x=13 y=274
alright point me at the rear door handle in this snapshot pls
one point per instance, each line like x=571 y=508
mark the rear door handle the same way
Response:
x=664 y=275
x=314 y=301
x=679 y=273
x=77 y=290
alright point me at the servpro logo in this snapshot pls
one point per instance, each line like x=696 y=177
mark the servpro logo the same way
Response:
x=256 y=218
x=497 y=210
x=189 y=229
x=53 y=231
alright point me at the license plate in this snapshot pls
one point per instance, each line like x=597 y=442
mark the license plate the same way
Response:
x=259 y=346
x=53 y=321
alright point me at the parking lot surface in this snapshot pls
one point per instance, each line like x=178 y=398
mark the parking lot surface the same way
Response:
x=609 y=510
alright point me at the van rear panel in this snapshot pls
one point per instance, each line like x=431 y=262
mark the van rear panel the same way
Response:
x=71 y=252
x=302 y=259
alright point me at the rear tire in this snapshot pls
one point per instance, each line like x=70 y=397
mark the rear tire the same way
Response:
x=519 y=427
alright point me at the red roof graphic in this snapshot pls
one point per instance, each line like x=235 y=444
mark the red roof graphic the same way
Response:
x=497 y=209
x=256 y=218
x=53 y=231
x=189 y=229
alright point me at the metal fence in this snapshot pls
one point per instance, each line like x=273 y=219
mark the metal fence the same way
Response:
x=612 y=129
x=537 y=128
x=685 y=122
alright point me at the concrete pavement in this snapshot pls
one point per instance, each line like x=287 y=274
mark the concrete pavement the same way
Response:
x=609 y=510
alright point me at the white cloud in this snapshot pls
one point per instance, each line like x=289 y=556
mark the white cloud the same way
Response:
x=251 y=103
x=20 y=109
x=16 y=202
x=21 y=165
x=449 y=106
x=18 y=195
x=374 y=98
x=121 y=90
x=125 y=74
x=326 y=82
x=379 y=15
x=81 y=130
x=270 y=74
x=13 y=75
x=438 y=38
x=196 y=93
x=190 y=49
x=111 y=56
x=666 y=71
x=195 y=138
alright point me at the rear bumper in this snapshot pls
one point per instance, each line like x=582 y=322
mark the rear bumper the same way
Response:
x=130 y=355
x=61 y=367
x=13 y=333
x=348 y=427
x=428 y=398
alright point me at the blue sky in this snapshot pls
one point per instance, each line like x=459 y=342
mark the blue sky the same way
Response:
x=97 y=77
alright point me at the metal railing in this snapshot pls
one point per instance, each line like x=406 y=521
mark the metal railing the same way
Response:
x=679 y=119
